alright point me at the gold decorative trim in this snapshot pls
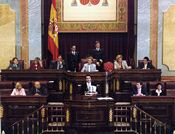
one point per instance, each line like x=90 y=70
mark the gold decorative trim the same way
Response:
x=67 y=115
x=120 y=25
x=110 y=115
x=24 y=32
x=154 y=32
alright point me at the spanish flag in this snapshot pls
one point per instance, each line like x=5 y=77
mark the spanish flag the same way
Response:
x=53 y=31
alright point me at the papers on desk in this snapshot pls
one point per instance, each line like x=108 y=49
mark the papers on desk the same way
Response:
x=104 y=98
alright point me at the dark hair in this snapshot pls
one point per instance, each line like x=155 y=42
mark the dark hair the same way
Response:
x=14 y=58
x=96 y=42
x=88 y=75
x=159 y=84
x=146 y=58
x=141 y=83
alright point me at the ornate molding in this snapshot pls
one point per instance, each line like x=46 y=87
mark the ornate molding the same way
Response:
x=120 y=25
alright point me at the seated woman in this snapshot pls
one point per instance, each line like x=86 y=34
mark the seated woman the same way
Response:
x=119 y=63
x=14 y=64
x=18 y=90
x=36 y=64
x=89 y=66
x=159 y=91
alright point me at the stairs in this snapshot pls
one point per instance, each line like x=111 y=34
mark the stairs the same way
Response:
x=122 y=118
x=55 y=119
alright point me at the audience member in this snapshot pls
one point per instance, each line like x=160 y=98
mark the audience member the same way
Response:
x=18 y=90
x=119 y=63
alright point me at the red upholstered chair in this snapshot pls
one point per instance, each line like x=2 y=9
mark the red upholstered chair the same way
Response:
x=108 y=66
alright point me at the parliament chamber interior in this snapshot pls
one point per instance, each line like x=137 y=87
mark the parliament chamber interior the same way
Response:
x=87 y=67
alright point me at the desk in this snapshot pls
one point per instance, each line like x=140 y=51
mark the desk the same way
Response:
x=17 y=107
x=136 y=75
x=48 y=74
x=88 y=112
x=163 y=107
x=45 y=74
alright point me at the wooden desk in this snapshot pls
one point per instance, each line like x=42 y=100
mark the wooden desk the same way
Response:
x=138 y=74
x=163 y=107
x=86 y=112
x=135 y=75
x=17 y=107
x=48 y=74
x=68 y=80
x=45 y=74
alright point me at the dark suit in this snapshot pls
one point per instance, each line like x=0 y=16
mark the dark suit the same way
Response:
x=42 y=91
x=143 y=91
x=84 y=88
x=154 y=93
x=15 y=66
x=57 y=65
x=73 y=61
x=98 y=55
x=149 y=66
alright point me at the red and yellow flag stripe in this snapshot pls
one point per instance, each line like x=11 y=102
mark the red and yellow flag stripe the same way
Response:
x=53 y=44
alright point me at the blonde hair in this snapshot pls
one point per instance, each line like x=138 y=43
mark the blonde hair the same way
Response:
x=119 y=56
x=90 y=57
x=18 y=85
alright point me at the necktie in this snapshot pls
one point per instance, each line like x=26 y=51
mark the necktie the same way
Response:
x=58 y=66
x=89 y=68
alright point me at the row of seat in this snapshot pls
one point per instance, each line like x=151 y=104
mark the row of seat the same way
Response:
x=82 y=62
x=6 y=87
x=168 y=86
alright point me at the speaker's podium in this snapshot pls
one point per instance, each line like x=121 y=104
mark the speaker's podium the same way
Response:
x=89 y=112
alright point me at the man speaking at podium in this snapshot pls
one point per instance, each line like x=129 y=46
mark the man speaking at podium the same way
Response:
x=88 y=88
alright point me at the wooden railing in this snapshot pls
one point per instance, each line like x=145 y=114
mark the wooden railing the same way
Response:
x=127 y=119
x=47 y=119
x=131 y=119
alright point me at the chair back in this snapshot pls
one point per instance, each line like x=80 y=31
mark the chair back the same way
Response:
x=108 y=66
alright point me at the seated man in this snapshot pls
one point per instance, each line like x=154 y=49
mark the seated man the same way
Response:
x=89 y=66
x=146 y=64
x=37 y=89
x=88 y=88
x=140 y=90
x=15 y=65
x=59 y=64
